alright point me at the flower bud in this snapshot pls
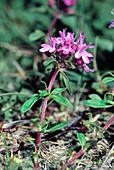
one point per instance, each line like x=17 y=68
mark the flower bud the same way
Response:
x=51 y=3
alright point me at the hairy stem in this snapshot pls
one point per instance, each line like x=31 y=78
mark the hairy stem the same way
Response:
x=46 y=99
x=38 y=141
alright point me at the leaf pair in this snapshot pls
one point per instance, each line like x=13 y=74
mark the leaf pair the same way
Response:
x=55 y=95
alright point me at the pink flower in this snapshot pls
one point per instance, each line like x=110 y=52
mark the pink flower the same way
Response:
x=112 y=24
x=69 y=2
x=67 y=42
x=83 y=54
x=65 y=47
x=86 y=68
x=83 y=57
x=49 y=47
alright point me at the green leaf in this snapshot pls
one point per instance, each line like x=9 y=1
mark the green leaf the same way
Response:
x=81 y=139
x=57 y=127
x=107 y=79
x=36 y=35
x=62 y=100
x=110 y=102
x=58 y=90
x=44 y=129
x=97 y=103
x=43 y=93
x=28 y=104
x=32 y=142
x=50 y=61
x=66 y=81
x=94 y=96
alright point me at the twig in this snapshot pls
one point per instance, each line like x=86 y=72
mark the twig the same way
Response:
x=108 y=123
x=76 y=156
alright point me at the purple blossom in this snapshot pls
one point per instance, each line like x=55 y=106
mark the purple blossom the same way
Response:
x=65 y=47
x=69 y=2
x=49 y=47
x=86 y=68
x=112 y=24
x=67 y=42
x=81 y=53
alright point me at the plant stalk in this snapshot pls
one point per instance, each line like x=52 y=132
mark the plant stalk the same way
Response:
x=42 y=118
x=76 y=156
x=108 y=123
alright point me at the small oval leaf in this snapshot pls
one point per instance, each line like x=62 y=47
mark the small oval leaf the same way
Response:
x=43 y=93
x=97 y=103
x=58 y=90
x=36 y=35
x=66 y=82
x=107 y=79
x=28 y=104
x=94 y=96
x=49 y=61
x=57 y=127
x=62 y=100
x=81 y=139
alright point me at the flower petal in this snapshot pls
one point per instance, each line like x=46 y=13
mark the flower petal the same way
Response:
x=86 y=68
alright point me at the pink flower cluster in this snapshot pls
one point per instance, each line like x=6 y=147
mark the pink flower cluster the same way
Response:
x=66 y=48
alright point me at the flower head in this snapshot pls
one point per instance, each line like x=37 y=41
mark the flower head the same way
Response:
x=66 y=48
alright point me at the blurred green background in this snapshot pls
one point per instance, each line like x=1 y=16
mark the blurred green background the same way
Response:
x=19 y=18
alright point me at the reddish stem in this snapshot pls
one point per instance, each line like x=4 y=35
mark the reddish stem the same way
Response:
x=38 y=141
x=46 y=99
x=76 y=156
x=107 y=125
